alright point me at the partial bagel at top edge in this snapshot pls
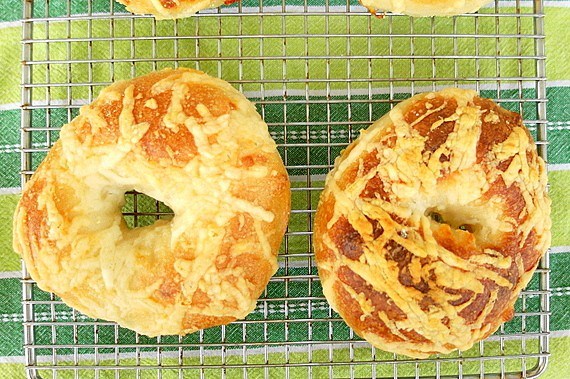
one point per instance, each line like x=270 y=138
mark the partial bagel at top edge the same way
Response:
x=171 y=9
x=425 y=8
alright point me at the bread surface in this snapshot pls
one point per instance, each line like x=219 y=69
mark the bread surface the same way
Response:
x=425 y=8
x=190 y=141
x=432 y=222
x=171 y=9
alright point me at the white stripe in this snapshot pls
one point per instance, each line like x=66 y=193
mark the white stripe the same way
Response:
x=16 y=359
x=17 y=148
x=10 y=191
x=559 y=125
x=558 y=83
x=278 y=93
x=10 y=274
x=303 y=178
x=299 y=263
x=70 y=315
x=560 y=333
x=353 y=92
x=559 y=167
x=556 y=4
x=289 y=9
x=9 y=106
x=379 y=90
x=269 y=308
x=529 y=4
x=354 y=9
x=559 y=249
x=293 y=135
x=10 y=24
x=508 y=4
x=324 y=134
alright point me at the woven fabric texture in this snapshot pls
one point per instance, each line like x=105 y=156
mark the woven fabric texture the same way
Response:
x=319 y=117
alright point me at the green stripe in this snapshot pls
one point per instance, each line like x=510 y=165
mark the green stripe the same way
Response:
x=278 y=113
x=64 y=8
x=560 y=278
x=9 y=141
x=11 y=332
x=559 y=145
x=276 y=332
x=60 y=8
x=11 y=10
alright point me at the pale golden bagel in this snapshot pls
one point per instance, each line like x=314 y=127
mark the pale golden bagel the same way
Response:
x=425 y=8
x=171 y=9
x=432 y=222
x=190 y=141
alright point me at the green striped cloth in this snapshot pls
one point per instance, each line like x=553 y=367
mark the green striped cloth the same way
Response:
x=317 y=81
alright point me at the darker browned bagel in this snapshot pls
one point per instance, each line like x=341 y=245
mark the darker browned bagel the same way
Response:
x=432 y=222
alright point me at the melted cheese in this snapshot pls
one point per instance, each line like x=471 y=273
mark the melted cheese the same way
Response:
x=154 y=272
x=418 y=183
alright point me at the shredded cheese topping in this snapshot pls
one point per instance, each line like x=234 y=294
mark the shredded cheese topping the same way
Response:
x=457 y=278
x=211 y=261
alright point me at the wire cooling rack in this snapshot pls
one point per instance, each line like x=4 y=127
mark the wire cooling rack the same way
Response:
x=318 y=71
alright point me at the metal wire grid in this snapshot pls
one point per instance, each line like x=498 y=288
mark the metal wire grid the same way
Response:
x=318 y=73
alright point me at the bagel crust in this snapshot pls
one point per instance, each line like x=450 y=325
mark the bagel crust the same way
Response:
x=188 y=140
x=431 y=223
x=425 y=8
x=171 y=9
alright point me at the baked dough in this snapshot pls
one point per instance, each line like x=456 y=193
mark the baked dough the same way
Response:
x=190 y=141
x=171 y=9
x=431 y=223
x=425 y=8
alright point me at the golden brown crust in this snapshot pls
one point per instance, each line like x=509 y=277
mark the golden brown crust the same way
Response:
x=171 y=9
x=425 y=8
x=188 y=140
x=432 y=222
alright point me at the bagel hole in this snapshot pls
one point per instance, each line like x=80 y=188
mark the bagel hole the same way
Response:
x=457 y=219
x=140 y=210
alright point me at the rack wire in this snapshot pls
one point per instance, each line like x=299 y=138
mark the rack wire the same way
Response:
x=319 y=71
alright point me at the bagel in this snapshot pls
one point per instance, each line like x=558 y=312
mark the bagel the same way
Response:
x=431 y=223
x=171 y=9
x=190 y=141
x=425 y=8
